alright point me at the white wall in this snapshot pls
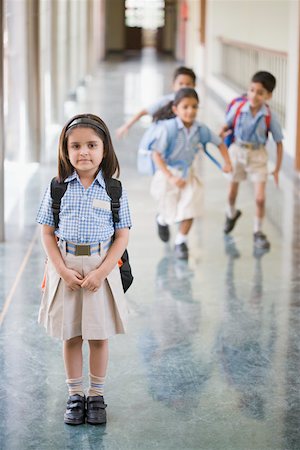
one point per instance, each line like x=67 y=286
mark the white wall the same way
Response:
x=262 y=23
x=292 y=81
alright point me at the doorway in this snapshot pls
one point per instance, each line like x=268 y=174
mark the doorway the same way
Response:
x=147 y=24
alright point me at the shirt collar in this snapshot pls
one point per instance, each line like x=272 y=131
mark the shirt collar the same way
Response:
x=180 y=124
x=263 y=111
x=99 y=178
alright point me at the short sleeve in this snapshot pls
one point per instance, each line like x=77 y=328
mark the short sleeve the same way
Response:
x=275 y=128
x=163 y=101
x=160 y=142
x=206 y=136
x=45 y=215
x=124 y=213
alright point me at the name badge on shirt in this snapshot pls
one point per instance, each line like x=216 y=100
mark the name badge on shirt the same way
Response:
x=101 y=204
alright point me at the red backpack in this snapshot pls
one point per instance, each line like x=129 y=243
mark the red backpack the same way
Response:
x=242 y=100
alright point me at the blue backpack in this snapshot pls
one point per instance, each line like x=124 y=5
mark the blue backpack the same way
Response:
x=145 y=163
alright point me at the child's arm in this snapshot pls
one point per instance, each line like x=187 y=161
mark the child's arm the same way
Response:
x=161 y=165
x=95 y=278
x=224 y=152
x=225 y=131
x=275 y=173
x=72 y=278
x=123 y=130
x=214 y=139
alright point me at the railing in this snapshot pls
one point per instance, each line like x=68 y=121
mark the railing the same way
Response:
x=240 y=61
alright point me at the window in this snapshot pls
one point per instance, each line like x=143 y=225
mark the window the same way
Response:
x=147 y=14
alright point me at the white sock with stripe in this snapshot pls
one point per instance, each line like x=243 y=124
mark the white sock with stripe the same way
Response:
x=96 y=386
x=75 y=386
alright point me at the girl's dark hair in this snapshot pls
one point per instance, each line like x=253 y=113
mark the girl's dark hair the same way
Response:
x=164 y=113
x=185 y=93
x=109 y=165
x=266 y=79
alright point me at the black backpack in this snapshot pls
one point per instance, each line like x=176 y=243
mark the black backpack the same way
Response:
x=114 y=190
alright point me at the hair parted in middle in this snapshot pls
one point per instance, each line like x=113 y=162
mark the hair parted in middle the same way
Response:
x=166 y=112
x=109 y=165
x=185 y=93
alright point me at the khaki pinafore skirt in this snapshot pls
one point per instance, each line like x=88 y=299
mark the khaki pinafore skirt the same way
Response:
x=93 y=315
x=175 y=204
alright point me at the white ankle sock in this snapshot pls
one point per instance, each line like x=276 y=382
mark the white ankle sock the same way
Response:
x=96 y=385
x=230 y=211
x=257 y=224
x=161 y=220
x=75 y=386
x=180 y=238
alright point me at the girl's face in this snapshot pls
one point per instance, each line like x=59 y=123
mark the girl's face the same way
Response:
x=257 y=95
x=85 y=150
x=186 y=110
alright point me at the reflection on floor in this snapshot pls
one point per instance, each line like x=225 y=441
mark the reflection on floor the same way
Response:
x=211 y=358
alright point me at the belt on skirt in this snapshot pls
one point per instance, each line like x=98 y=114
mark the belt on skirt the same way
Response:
x=86 y=249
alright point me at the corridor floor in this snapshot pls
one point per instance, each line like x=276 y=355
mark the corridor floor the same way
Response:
x=211 y=357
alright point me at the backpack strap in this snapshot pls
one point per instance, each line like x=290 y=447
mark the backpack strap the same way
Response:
x=204 y=136
x=268 y=118
x=238 y=112
x=172 y=129
x=243 y=100
x=114 y=190
x=57 y=191
x=234 y=101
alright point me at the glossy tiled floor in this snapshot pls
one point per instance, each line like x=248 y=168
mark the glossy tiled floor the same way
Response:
x=211 y=359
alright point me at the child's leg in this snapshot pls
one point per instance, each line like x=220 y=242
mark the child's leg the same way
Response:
x=185 y=227
x=260 y=239
x=260 y=199
x=232 y=195
x=98 y=366
x=75 y=411
x=72 y=352
x=232 y=214
x=181 y=249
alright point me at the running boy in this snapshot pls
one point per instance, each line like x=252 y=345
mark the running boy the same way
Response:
x=183 y=77
x=251 y=121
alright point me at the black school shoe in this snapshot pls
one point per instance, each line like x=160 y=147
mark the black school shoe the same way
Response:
x=260 y=241
x=75 y=411
x=95 y=412
x=163 y=232
x=230 y=223
x=182 y=251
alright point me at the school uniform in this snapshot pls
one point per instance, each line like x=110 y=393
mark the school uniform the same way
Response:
x=175 y=204
x=85 y=226
x=248 y=152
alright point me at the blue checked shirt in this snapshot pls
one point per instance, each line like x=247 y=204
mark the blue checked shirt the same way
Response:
x=254 y=129
x=187 y=141
x=85 y=214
